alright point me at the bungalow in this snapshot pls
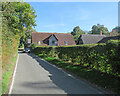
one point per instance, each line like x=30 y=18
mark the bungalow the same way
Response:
x=109 y=38
x=94 y=38
x=89 y=39
x=53 y=39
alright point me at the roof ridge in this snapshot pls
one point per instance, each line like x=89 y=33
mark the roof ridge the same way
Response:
x=50 y=33
x=94 y=34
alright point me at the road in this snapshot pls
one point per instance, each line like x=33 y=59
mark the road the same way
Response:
x=36 y=76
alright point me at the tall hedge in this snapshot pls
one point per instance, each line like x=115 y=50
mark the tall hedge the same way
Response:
x=104 y=57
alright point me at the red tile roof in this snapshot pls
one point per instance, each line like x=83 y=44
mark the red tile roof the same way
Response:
x=62 y=38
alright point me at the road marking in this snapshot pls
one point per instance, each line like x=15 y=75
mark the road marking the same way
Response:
x=11 y=87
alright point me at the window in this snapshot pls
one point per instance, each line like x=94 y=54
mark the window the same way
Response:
x=53 y=42
x=66 y=43
x=39 y=42
x=56 y=42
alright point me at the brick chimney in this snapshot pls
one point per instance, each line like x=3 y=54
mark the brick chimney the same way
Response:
x=101 y=33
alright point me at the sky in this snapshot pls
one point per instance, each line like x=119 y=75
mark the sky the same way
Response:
x=62 y=17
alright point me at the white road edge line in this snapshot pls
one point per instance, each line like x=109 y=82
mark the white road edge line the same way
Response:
x=11 y=87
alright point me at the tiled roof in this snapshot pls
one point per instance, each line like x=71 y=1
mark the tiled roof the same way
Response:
x=109 y=38
x=91 y=38
x=62 y=37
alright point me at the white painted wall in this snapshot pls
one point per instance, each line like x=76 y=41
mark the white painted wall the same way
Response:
x=52 y=38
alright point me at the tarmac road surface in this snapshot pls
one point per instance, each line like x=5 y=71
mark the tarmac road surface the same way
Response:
x=36 y=76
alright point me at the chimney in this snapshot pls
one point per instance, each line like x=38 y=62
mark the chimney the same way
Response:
x=101 y=33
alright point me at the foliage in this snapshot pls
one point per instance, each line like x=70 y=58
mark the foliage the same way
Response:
x=19 y=17
x=16 y=18
x=102 y=57
x=9 y=52
x=77 y=32
x=115 y=31
x=33 y=46
x=96 y=29
x=94 y=76
x=24 y=39
x=7 y=75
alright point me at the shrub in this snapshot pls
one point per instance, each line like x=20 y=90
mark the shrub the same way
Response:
x=33 y=45
x=104 y=57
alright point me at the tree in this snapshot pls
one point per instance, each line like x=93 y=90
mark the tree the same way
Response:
x=77 y=32
x=24 y=39
x=115 y=31
x=18 y=17
x=96 y=29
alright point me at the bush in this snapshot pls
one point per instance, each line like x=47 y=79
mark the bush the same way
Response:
x=33 y=45
x=104 y=57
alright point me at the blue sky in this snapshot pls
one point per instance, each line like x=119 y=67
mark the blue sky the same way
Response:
x=62 y=17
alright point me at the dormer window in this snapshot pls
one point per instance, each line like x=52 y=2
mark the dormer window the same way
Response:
x=53 y=42
x=66 y=43
x=39 y=42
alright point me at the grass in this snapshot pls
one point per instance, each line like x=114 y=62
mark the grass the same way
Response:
x=0 y=53
x=101 y=79
x=7 y=75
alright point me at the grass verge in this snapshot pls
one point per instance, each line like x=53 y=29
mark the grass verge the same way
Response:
x=7 y=76
x=100 y=79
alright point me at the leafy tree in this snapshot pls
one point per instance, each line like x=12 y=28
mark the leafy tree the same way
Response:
x=115 y=32
x=18 y=17
x=90 y=32
x=24 y=39
x=96 y=29
x=77 y=32
x=117 y=29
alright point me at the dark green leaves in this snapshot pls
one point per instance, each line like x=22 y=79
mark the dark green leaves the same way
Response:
x=77 y=32
x=18 y=16
x=97 y=28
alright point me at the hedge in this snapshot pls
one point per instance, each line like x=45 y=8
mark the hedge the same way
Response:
x=104 y=57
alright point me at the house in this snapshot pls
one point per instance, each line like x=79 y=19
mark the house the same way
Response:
x=53 y=39
x=94 y=38
x=109 y=38
x=29 y=42
x=114 y=33
x=90 y=38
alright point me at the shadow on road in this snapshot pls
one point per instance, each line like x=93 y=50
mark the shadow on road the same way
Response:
x=62 y=80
